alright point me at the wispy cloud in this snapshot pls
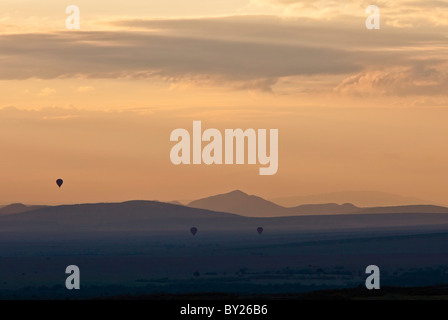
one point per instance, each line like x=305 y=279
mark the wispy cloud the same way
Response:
x=46 y=92
x=85 y=89
x=144 y=55
x=421 y=78
x=239 y=52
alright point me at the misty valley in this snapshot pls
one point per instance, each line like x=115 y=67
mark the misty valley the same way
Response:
x=172 y=265
x=146 y=248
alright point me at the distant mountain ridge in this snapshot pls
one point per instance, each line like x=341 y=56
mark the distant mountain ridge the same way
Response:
x=17 y=208
x=239 y=202
x=358 y=198
x=130 y=215
x=405 y=209
x=151 y=217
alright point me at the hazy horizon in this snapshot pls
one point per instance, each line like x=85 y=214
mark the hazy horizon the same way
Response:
x=357 y=198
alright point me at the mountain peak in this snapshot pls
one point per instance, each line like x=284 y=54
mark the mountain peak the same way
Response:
x=238 y=202
x=236 y=192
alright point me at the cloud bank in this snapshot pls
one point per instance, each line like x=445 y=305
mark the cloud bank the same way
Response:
x=243 y=52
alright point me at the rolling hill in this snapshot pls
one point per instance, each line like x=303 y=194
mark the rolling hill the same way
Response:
x=131 y=215
x=241 y=203
x=17 y=208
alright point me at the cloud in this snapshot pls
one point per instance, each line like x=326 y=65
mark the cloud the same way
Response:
x=264 y=85
x=85 y=89
x=422 y=78
x=398 y=13
x=316 y=8
x=132 y=55
x=427 y=4
x=239 y=52
x=46 y=92
x=66 y=117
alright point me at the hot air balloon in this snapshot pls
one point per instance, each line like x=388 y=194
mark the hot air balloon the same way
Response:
x=59 y=182
x=194 y=230
x=260 y=230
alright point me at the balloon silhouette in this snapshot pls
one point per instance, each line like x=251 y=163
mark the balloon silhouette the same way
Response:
x=59 y=182
x=194 y=230
x=260 y=230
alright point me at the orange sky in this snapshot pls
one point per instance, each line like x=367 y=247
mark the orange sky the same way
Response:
x=356 y=109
